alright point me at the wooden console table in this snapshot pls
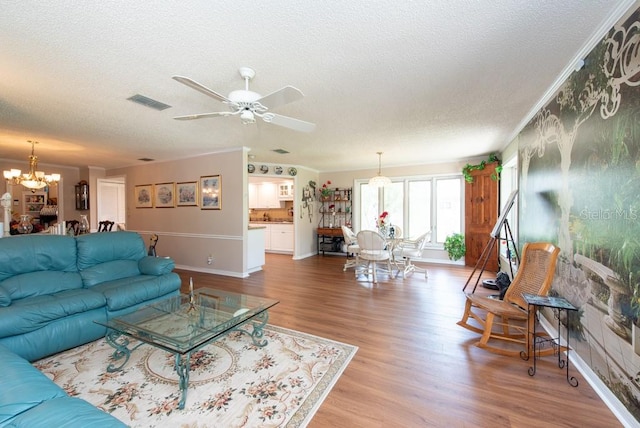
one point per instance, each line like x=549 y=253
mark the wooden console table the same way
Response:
x=330 y=239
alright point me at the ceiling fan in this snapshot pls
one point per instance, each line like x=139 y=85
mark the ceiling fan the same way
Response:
x=248 y=104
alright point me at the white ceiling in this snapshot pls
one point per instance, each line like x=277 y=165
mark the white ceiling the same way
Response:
x=421 y=81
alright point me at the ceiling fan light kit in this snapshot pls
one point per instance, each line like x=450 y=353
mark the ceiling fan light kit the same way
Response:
x=247 y=117
x=249 y=104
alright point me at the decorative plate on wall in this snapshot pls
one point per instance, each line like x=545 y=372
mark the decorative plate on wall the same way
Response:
x=293 y=171
x=251 y=168
x=278 y=170
x=264 y=169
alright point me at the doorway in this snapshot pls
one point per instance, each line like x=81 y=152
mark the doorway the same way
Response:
x=111 y=199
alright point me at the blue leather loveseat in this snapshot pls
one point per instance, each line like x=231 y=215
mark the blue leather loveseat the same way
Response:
x=52 y=290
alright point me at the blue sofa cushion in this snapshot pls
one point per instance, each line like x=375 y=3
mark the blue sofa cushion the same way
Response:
x=156 y=265
x=5 y=297
x=38 y=283
x=33 y=253
x=126 y=292
x=109 y=271
x=30 y=314
x=23 y=386
x=65 y=412
x=97 y=248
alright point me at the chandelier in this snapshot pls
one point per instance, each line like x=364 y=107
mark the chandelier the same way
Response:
x=379 y=180
x=34 y=180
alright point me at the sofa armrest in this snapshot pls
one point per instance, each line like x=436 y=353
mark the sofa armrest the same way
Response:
x=157 y=266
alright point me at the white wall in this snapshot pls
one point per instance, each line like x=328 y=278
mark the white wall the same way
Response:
x=190 y=234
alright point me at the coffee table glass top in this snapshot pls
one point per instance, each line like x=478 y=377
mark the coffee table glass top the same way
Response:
x=183 y=323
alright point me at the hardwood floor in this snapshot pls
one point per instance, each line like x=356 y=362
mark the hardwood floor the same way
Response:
x=414 y=367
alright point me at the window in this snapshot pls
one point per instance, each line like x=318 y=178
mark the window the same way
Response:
x=419 y=203
x=448 y=208
x=509 y=183
x=416 y=205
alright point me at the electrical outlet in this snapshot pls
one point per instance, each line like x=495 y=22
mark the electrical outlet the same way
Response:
x=210 y=259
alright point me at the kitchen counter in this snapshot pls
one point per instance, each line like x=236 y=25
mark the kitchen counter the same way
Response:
x=256 y=243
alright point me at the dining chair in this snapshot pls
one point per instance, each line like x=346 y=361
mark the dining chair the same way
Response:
x=406 y=250
x=105 y=226
x=373 y=249
x=74 y=226
x=351 y=241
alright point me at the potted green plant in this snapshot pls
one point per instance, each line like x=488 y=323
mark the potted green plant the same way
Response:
x=454 y=246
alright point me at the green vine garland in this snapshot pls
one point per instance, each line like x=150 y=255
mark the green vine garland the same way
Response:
x=466 y=171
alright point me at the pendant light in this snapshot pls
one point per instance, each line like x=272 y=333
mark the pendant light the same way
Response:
x=379 y=180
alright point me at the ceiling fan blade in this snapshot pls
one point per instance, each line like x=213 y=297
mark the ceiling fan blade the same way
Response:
x=201 y=88
x=282 y=96
x=289 y=122
x=203 y=115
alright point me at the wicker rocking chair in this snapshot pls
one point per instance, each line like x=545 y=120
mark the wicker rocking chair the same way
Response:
x=507 y=320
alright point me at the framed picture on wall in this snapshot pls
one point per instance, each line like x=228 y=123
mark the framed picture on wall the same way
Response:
x=165 y=195
x=210 y=192
x=187 y=194
x=143 y=196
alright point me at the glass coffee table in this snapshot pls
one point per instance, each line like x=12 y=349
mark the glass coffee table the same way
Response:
x=185 y=323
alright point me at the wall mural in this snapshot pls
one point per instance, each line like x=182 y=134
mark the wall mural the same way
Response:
x=580 y=189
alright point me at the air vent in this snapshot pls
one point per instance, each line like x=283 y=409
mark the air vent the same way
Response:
x=146 y=159
x=148 y=102
x=281 y=151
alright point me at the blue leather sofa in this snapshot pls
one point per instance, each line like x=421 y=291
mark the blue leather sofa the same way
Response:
x=52 y=290
x=28 y=399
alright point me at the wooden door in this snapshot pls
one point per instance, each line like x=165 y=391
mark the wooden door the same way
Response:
x=480 y=216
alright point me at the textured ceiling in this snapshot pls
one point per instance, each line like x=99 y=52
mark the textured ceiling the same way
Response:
x=422 y=82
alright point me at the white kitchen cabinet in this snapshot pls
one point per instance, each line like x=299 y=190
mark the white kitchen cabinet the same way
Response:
x=253 y=195
x=267 y=237
x=263 y=195
x=285 y=191
x=281 y=238
x=269 y=195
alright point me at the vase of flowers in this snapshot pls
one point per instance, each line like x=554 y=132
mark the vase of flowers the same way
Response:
x=325 y=191
x=381 y=223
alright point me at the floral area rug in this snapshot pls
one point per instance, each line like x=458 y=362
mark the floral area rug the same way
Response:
x=232 y=382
